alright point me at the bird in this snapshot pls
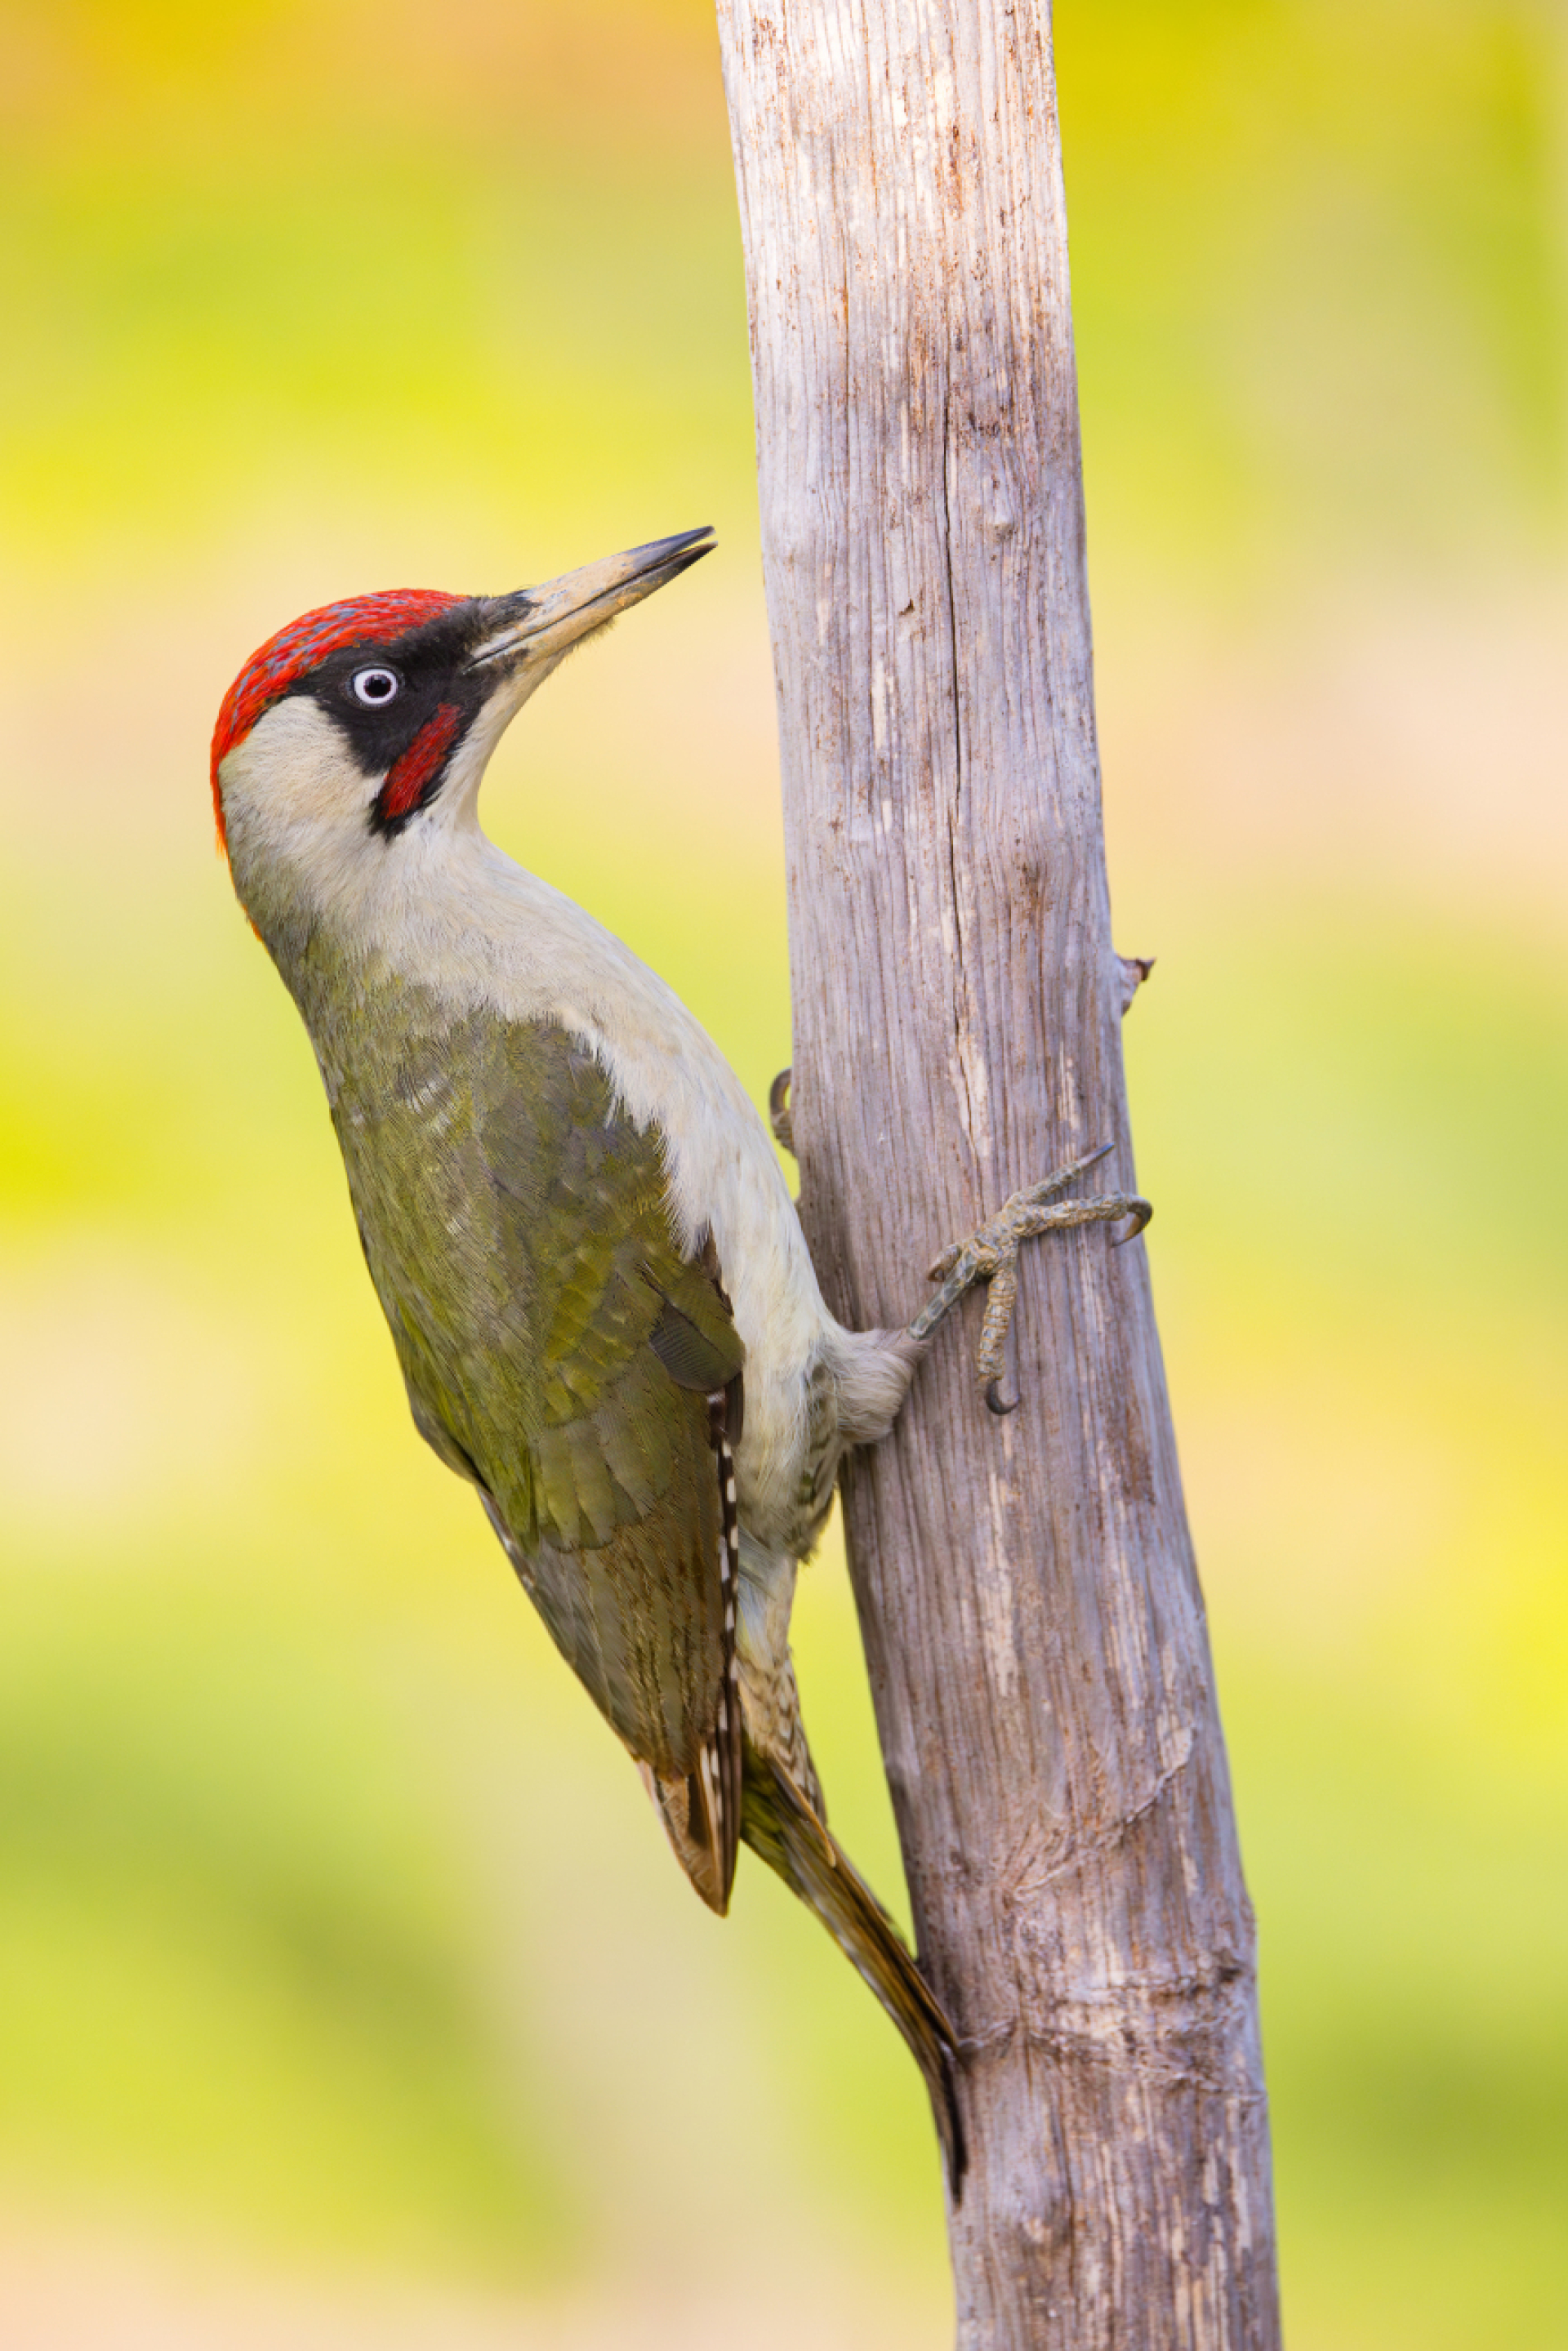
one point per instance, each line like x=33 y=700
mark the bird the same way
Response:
x=597 y=1288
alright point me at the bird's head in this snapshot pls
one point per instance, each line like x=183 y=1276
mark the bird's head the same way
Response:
x=364 y=728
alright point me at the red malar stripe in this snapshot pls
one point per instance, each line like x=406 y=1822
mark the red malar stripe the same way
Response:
x=409 y=779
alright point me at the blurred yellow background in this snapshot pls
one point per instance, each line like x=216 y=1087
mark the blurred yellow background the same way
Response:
x=348 y=1994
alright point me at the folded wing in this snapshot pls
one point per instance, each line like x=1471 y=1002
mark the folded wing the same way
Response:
x=562 y=1352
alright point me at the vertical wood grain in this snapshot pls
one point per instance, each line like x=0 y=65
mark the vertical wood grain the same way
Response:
x=1028 y=1594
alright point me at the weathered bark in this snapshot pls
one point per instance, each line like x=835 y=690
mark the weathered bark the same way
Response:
x=1027 y=1589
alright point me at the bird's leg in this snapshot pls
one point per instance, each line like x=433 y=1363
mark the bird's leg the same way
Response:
x=991 y=1256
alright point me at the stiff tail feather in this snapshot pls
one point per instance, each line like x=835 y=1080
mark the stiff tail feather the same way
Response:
x=782 y=1829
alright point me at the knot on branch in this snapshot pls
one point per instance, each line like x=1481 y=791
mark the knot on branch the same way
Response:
x=1134 y=970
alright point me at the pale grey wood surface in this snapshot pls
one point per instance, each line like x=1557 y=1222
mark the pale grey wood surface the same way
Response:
x=1028 y=1592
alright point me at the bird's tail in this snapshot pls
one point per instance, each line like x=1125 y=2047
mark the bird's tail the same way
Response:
x=780 y=1826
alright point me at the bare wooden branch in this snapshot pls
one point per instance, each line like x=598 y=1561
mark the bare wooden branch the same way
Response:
x=1030 y=1607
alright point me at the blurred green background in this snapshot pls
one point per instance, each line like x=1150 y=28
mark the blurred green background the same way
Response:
x=348 y=1994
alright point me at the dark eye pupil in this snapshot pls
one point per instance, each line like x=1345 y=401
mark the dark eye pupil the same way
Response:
x=378 y=686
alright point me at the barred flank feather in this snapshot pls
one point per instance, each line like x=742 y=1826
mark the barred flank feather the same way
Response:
x=780 y=1827
x=702 y=1812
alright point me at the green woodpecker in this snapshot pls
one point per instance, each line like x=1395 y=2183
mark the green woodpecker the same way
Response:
x=576 y=1221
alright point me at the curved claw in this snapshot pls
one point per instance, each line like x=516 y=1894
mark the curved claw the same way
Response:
x=995 y=1403
x=1141 y=1216
x=779 y=1117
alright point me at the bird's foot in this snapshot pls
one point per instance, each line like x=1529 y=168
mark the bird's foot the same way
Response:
x=779 y=1111
x=991 y=1256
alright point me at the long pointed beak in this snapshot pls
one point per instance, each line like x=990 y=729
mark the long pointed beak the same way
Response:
x=544 y=621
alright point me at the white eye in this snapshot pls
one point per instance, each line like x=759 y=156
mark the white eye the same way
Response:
x=375 y=687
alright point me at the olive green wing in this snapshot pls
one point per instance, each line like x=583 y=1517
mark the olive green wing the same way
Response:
x=560 y=1351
